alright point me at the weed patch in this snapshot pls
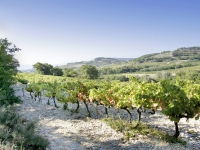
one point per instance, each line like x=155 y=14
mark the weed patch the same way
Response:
x=131 y=131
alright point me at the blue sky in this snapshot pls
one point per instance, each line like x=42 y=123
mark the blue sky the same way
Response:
x=62 y=31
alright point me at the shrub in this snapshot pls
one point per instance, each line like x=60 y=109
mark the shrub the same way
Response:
x=17 y=132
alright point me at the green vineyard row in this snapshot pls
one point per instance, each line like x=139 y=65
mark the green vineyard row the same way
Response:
x=176 y=99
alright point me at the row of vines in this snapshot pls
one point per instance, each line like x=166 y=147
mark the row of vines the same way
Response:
x=176 y=99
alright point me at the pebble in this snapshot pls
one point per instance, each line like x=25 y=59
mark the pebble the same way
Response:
x=67 y=131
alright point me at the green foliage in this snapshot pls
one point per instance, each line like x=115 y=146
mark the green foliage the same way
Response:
x=30 y=88
x=177 y=98
x=100 y=61
x=129 y=130
x=7 y=97
x=56 y=71
x=20 y=78
x=69 y=72
x=117 y=125
x=89 y=72
x=187 y=53
x=103 y=94
x=173 y=100
x=190 y=75
x=52 y=88
x=165 y=60
x=64 y=97
x=8 y=64
x=31 y=77
x=47 y=69
x=35 y=88
x=16 y=132
x=121 y=78
x=164 y=75
x=146 y=95
x=43 y=68
x=23 y=81
x=145 y=58
x=8 y=69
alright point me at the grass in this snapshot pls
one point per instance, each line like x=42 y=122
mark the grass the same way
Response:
x=18 y=134
x=130 y=131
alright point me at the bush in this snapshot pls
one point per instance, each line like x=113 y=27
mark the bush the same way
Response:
x=18 y=133
x=7 y=97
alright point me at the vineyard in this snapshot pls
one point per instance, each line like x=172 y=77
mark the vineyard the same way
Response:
x=175 y=99
x=80 y=107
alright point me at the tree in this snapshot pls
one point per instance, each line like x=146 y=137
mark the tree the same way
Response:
x=89 y=72
x=8 y=64
x=8 y=69
x=68 y=72
x=56 y=71
x=47 y=69
x=43 y=68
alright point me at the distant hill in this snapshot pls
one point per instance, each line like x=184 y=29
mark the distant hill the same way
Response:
x=125 y=59
x=98 y=62
x=189 y=53
x=181 y=58
x=167 y=60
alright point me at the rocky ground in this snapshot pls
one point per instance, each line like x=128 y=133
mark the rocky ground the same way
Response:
x=74 y=131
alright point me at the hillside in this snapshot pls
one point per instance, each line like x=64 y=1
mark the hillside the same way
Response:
x=190 y=53
x=98 y=62
x=179 y=59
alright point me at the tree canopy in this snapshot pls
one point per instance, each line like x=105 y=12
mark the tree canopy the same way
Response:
x=47 y=69
x=8 y=69
x=43 y=68
x=8 y=64
x=56 y=71
x=89 y=72
x=68 y=72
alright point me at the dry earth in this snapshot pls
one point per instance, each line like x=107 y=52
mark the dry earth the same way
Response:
x=66 y=130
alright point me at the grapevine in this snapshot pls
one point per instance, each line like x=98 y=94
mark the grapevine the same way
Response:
x=176 y=99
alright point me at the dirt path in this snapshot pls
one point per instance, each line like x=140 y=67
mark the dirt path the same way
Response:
x=74 y=131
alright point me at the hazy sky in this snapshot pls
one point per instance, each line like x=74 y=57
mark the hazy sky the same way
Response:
x=62 y=31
